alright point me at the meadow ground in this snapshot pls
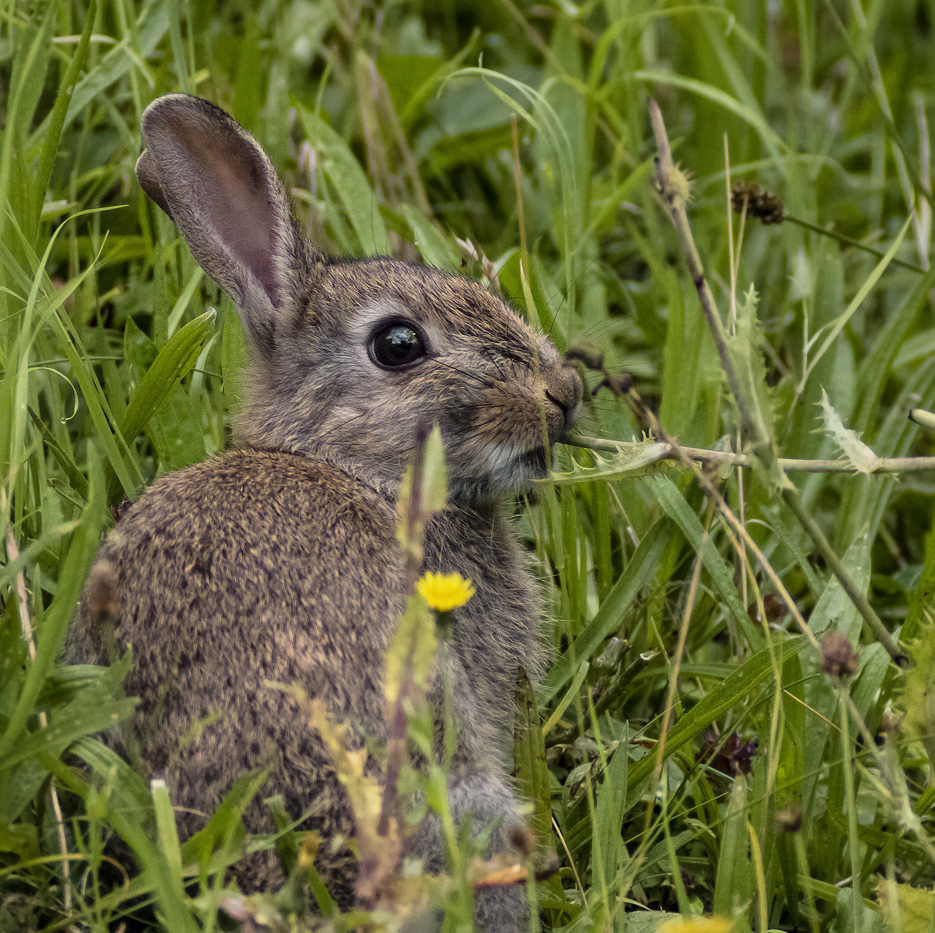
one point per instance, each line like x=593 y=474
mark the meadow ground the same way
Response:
x=709 y=750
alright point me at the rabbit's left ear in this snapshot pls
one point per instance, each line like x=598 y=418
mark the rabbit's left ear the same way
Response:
x=220 y=189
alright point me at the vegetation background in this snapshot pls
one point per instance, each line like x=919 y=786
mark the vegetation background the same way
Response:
x=705 y=755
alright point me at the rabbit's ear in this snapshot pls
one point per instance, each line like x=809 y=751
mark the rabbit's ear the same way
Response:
x=220 y=189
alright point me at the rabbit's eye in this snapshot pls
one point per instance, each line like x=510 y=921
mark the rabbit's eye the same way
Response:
x=397 y=344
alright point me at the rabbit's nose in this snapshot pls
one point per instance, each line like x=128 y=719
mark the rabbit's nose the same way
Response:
x=565 y=392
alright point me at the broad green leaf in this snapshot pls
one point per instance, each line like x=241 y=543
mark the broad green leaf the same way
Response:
x=407 y=75
x=30 y=62
x=233 y=358
x=166 y=832
x=876 y=368
x=152 y=23
x=834 y=331
x=673 y=502
x=771 y=139
x=338 y=163
x=66 y=89
x=106 y=764
x=435 y=248
x=607 y=846
x=19 y=839
x=54 y=621
x=72 y=722
x=174 y=361
x=907 y=909
x=734 y=879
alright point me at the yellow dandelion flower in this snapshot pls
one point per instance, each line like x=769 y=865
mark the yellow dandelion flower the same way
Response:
x=697 y=925
x=444 y=591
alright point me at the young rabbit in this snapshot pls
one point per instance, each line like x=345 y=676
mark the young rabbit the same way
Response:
x=278 y=561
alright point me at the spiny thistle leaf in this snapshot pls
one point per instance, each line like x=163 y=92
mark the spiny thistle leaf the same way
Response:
x=630 y=459
x=907 y=909
x=855 y=451
x=745 y=349
x=681 y=181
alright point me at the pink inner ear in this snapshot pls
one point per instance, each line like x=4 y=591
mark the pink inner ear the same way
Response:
x=237 y=202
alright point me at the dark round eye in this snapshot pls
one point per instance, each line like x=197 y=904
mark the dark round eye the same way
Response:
x=396 y=344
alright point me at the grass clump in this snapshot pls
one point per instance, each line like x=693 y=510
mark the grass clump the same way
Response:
x=705 y=750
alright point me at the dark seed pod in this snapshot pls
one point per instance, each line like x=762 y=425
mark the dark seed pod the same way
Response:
x=789 y=820
x=838 y=657
x=760 y=203
x=590 y=355
x=618 y=383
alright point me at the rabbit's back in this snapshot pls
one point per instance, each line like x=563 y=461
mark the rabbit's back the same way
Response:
x=251 y=570
x=256 y=564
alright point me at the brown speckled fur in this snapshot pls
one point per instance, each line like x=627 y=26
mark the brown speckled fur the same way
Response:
x=278 y=562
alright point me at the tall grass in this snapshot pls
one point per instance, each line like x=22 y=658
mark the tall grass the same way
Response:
x=705 y=755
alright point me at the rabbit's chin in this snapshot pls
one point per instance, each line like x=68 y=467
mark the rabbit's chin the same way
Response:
x=506 y=471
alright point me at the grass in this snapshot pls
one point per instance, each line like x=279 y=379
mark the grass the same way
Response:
x=701 y=758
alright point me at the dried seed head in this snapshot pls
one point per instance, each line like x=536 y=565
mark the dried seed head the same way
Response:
x=118 y=511
x=759 y=203
x=890 y=725
x=618 y=383
x=838 y=657
x=733 y=756
x=523 y=839
x=774 y=608
x=789 y=820
x=103 y=594
x=590 y=355
x=548 y=866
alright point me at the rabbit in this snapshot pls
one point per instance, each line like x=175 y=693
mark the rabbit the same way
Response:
x=278 y=562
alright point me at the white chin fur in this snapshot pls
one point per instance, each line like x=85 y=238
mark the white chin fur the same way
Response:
x=507 y=469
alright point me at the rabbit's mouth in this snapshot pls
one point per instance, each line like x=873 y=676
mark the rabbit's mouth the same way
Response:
x=535 y=462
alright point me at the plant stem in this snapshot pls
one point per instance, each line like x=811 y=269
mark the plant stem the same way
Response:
x=850 y=241
x=853 y=845
x=812 y=528
x=22 y=602
x=793 y=465
x=674 y=189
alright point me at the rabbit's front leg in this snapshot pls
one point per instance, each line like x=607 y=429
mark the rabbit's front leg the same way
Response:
x=490 y=804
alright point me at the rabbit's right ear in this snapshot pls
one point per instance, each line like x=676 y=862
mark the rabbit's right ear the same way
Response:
x=218 y=186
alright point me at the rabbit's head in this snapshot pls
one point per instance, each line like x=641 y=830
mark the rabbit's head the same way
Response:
x=351 y=359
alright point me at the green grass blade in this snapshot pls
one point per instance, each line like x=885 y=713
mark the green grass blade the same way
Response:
x=640 y=570
x=731 y=691
x=339 y=164
x=172 y=364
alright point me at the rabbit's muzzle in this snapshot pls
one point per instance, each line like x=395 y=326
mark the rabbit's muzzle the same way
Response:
x=564 y=392
x=561 y=390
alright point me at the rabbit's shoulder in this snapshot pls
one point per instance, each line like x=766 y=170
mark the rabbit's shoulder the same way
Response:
x=268 y=500
x=255 y=548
